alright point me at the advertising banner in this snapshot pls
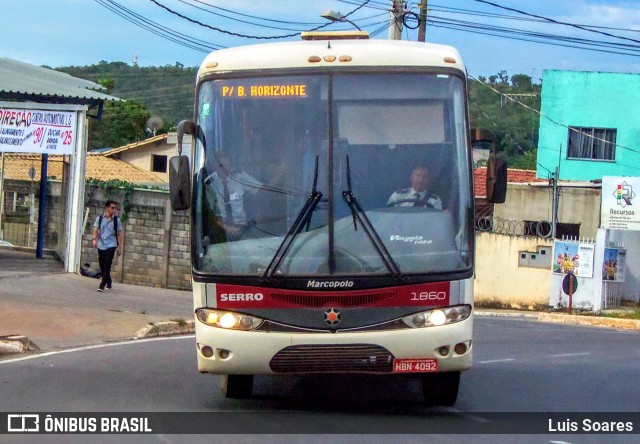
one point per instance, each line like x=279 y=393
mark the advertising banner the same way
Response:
x=37 y=131
x=614 y=264
x=620 y=203
x=574 y=257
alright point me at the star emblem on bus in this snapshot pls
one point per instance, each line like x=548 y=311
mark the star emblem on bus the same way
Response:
x=331 y=316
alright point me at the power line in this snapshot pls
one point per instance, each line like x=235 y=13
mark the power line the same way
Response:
x=497 y=33
x=156 y=28
x=236 y=34
x=507 y=97
x=253 y=16
x=535 y=34
x=208 y=11
x=462 y=11
x=558 y=22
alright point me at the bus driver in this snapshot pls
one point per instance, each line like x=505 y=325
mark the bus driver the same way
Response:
x=418 y=195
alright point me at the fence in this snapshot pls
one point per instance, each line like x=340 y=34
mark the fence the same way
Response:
x=497 y=225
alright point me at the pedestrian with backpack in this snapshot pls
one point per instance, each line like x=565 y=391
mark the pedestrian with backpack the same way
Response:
x=108 y=238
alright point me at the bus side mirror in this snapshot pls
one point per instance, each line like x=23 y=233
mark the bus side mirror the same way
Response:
x=496 y=166
x=496 y=179
x=179 y=183
x=179 y=172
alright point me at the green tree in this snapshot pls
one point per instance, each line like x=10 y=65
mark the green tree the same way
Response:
x=507 y=106
x=121 y=123
x=167 y=91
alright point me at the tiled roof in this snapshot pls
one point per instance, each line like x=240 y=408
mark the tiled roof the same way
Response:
x=514 y=175
x=107 y=168
x=142 y=143
x=98 y=167
x=17 y=166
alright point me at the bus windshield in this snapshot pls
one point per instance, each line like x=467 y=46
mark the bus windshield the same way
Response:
x=325 y=174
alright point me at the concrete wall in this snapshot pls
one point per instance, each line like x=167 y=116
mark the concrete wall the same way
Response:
x=576 y=205
x=592 y=100
x=500 y=280
x=156 y=250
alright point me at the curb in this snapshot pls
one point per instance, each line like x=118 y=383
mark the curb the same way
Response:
x=507 y=314
x=166 y=328
x=595 y=321
x=10 y=344
x=561 y=318
x=14 y=344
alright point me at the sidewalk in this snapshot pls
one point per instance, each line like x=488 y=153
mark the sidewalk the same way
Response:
x=54 y=309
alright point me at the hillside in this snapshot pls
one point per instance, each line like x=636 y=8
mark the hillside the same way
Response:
x=506 y=105
x=167 y=91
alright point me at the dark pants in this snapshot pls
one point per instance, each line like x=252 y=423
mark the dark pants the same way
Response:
x=105 y=259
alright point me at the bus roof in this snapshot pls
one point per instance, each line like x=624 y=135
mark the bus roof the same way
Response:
x=331 y=53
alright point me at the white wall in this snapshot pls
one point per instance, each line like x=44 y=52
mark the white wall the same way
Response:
x=590 y=292
x=500 y=279
x=631 y=241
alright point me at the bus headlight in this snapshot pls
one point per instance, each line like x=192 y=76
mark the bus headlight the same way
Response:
x=438 y=316
x=227 y=319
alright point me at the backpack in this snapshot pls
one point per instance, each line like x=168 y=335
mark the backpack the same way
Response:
x=115 y=226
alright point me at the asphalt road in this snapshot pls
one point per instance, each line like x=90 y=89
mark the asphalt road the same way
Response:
x=520 y=366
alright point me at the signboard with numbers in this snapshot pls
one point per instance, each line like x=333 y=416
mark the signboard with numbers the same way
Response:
x=37 y=131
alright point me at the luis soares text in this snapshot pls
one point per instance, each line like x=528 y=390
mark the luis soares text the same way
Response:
x=588 y=425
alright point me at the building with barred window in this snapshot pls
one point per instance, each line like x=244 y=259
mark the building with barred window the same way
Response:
x=589 y=125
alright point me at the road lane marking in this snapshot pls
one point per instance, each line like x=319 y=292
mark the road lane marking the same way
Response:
x=564 y=355
x=496 y=360
x=93 y=347
x=466 y=415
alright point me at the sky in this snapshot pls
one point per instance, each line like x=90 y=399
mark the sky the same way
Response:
x=84 y=32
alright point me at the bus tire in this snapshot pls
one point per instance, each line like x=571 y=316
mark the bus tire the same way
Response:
x=440 y=389
x=237 y=386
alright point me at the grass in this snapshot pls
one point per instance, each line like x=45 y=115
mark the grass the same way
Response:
x=181 y=322
x=635 y=314
x=632 y=310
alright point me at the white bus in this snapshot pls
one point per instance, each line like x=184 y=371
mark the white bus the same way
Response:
x=311 y=253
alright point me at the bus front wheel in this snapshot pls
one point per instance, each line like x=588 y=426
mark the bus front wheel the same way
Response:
x=237 y=386
x=440 y=389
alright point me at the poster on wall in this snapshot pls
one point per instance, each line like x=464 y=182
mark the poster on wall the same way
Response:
x=573 y=257
x=37 y=131
x=620 y=202
x=614 y=264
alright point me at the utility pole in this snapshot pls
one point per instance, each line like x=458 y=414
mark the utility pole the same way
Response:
x=395 y=20
x=554 y=216
x=422 y=22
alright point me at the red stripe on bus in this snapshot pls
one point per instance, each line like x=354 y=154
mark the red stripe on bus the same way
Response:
x=240 y=296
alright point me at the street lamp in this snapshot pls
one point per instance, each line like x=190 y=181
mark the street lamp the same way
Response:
x=337 y=17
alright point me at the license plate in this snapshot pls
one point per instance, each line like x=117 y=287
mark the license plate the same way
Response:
x=415 y=365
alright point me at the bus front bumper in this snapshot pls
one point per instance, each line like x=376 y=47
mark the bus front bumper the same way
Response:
x=417 y=350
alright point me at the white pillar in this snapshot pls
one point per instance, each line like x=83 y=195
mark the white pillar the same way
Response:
x=75 y=196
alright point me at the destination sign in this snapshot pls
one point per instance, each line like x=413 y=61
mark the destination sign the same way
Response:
x=286 y=90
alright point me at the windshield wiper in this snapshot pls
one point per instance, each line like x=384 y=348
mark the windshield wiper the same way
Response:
x=304 y=217
x=358 y=213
